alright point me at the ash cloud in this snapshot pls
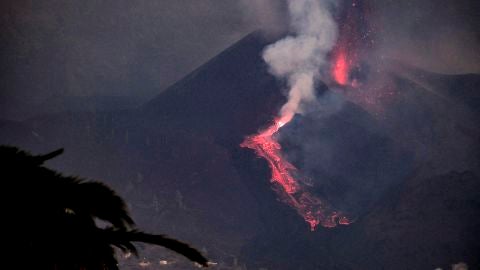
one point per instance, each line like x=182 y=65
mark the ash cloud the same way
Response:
x=345 y=155
x=437 y=37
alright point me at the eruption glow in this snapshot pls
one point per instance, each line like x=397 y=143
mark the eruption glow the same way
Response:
x=300 y=60
x=291 y=191
x=356 y=36
x=340 y=69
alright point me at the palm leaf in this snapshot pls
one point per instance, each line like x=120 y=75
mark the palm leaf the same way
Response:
x=55 y=217
x=121 y=238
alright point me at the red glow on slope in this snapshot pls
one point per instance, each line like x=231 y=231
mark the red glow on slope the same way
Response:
x=341 y=68
x=290 y=190
x=356 y=38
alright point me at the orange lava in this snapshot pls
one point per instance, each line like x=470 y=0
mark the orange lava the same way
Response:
x=340 y=69
x=291 y=191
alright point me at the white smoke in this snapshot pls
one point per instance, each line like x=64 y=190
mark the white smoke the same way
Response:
x=301 y=57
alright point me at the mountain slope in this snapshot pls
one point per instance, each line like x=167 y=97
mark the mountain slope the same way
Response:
x=177 y=160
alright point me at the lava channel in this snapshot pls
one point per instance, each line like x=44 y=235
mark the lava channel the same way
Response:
x=289 y=189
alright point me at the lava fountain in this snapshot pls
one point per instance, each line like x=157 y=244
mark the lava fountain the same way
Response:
x=291 y=190
x=356 y=36
x=340 y=68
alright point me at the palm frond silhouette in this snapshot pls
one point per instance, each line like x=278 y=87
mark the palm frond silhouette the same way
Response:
x=51 y=218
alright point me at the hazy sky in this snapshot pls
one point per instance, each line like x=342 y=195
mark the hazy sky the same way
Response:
x=121 y=47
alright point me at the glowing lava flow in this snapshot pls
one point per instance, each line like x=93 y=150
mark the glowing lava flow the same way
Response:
x=291 y=191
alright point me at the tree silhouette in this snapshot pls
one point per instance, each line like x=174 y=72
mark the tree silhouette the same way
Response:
x=50 y=218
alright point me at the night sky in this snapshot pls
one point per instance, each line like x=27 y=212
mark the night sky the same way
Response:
x=54 y=49
x=154 y=98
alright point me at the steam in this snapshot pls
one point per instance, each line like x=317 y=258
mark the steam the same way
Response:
x=299 y=58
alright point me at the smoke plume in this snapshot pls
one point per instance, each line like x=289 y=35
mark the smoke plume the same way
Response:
x=300 y=57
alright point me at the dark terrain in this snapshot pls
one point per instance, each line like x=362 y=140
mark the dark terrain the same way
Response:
x=410 y=177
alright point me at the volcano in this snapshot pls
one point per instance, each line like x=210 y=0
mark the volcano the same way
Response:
x=409 y=173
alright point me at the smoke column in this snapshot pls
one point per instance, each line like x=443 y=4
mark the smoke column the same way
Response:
x=300 y=58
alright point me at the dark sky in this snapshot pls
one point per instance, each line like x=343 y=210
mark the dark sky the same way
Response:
x=137 y=48
x=442 y=36
x=96 y=47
